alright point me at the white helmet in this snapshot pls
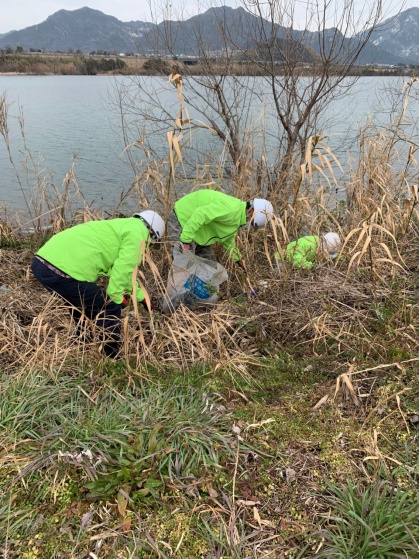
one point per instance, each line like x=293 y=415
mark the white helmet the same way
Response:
x=332 y=242
x=262 y=212
x=153 y=222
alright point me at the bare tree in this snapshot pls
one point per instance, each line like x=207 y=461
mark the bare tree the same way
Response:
x=260 y=76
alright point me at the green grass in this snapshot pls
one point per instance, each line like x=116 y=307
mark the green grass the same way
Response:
x=378 y=521
x=156 y=464
x=171 y=432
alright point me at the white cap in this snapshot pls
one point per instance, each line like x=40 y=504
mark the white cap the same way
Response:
x=262 y=212
x=154 y=222
x=333 y=242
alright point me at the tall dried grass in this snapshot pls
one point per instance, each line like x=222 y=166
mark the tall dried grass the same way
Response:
x=359 y=307
x=362 y=303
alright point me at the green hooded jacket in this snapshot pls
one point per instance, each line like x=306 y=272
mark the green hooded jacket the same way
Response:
x=112 y=247
x=208 y=217
x=302 y=252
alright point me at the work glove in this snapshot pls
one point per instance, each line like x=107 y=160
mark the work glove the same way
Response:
x=125 y=301
x=146 y=306
x=252 y=293
x=186 y=246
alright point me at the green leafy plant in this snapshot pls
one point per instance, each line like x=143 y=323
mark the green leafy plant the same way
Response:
x=136 y=438
x=175 y=433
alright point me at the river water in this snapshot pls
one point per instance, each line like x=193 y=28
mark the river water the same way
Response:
x=75 y=118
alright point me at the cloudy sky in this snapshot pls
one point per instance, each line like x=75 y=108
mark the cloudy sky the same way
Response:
x=23 y=13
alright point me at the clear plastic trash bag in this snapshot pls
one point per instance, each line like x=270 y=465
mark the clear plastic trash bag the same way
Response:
x=192 y=280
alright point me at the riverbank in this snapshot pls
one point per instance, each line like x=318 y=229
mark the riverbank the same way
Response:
x=280 y=422
x=222 y=432
x=75 y=64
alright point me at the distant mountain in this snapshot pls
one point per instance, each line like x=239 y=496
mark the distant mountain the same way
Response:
x=371 y=53
x=395 y=41
x=206 y=32
x=84 y=29
x=217 y=29
x=399 y=35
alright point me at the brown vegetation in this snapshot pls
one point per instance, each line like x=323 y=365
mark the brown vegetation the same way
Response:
x=310 y=366
x=76 y=64
x=341 y=308
x=315 y=377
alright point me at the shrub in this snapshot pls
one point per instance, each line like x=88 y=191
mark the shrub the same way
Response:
x=156 y=65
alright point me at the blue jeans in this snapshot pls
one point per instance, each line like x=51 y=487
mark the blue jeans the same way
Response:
x=86 y=298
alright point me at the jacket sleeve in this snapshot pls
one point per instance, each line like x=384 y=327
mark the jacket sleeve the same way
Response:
x=201 y=216
x=129 y=256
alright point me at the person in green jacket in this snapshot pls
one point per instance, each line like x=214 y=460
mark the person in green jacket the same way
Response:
x=71 y=261
x=205 y=217
x=304 y=252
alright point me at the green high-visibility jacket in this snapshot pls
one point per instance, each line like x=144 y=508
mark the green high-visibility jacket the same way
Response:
x=208 y=217
x=112 y=247
x=302 y=252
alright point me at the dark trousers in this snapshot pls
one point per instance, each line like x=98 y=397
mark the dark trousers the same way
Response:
x=87 y=299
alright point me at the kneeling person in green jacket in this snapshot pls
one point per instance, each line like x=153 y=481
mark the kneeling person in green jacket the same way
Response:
x=205 y=217
x=72 y=260
x=304 y=252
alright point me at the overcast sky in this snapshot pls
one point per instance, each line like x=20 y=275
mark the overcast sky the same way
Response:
x=19 y=14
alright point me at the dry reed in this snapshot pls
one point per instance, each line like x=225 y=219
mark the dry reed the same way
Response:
x=361 y=304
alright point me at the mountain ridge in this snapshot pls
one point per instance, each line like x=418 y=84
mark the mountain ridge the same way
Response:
x=393 y=42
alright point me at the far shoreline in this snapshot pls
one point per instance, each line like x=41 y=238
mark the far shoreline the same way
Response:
x=377 y=74
x=65 y=64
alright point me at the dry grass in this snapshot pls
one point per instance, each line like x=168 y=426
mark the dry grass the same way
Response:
x=361 y=304
x=359 y=314
x=364 y=303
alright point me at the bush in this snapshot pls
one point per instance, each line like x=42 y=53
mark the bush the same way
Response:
x=157 y=66
x=91 y=66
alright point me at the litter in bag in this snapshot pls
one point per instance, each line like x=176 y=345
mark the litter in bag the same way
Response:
x=192 y=281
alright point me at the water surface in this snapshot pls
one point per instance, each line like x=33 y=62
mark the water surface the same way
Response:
x=75 y=118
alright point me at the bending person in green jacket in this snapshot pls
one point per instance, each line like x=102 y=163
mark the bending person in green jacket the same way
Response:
x=304 y=252
x=205 y=217
x=72 y=260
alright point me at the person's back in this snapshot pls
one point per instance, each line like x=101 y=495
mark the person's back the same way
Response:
x=302 y=252
x=91 y=249
x=208 y=217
